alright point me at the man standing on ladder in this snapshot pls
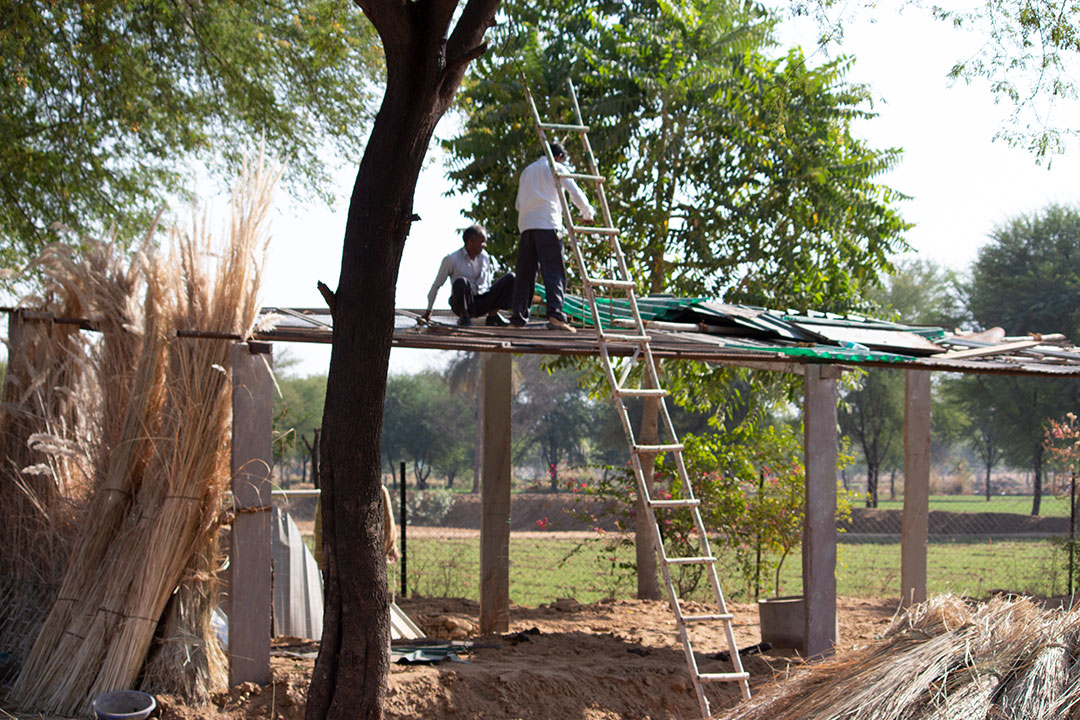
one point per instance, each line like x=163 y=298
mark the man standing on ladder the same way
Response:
x=539 y=219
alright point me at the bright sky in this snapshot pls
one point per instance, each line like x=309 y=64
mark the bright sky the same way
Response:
x=962 y=182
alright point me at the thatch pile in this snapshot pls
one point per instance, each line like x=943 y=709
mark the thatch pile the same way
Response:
x=54 y=429
x=144 y=564
x=947 y=659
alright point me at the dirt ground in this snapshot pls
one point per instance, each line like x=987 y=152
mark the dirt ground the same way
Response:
x=607 y=660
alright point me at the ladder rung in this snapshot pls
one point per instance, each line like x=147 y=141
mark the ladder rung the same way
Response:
x=723 y=677
x=582 y=176
x=596 y=230
x=562 y=126
x=610 y=282
x=708 y=618
x=641 y=392
x=614 y=337
x=675 y=447
x=675 y=503
x=699 y=560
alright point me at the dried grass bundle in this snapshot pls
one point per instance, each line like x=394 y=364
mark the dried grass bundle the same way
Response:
x=51 y=435
x=153 y=522
x=946 y=659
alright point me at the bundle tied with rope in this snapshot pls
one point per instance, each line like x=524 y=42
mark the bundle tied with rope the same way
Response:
x=135 y=601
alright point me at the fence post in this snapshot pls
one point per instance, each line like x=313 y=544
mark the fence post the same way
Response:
x=404 y=518
x=916 y=514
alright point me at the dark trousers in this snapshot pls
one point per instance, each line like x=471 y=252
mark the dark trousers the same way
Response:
x=466 y=302
x=543 y=247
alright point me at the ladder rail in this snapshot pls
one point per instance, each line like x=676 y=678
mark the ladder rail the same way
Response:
x=652 y=389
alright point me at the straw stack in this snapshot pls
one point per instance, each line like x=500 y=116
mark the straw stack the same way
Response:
x=946 y=659
x=152 y=523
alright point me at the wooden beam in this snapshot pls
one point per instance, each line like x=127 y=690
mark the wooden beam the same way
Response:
x=251 y=600
x=495 y=495
x=819 y=527
x=985 y=351
x=916 y=516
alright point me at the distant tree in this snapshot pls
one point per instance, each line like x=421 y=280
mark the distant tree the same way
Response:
x=552 y=416
x=465 y=377
x=1025 y=280
x=297 y=411
x=981 y=416
x=107 y=104
x=921 y=292
x=425 y=424
x=872 y=415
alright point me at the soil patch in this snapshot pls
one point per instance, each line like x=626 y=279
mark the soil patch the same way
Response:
x=601 y=661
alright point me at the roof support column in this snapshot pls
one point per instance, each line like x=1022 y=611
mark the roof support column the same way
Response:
x=916 y=518
x=495 y=495
x=819 y=527
x=250 y=588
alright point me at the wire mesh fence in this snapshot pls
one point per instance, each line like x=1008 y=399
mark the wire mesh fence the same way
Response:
x=562 y=547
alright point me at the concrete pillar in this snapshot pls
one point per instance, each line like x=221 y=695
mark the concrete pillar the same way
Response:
x=495 y=495
x=819 y=528
x=250 y=581
x=916 y=518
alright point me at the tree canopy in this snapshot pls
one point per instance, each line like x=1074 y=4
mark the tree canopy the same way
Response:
x=106 y=104
x=731 y=174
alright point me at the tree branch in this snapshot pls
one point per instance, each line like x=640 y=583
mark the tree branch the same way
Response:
x=468 y=34
x=328 y=296
x=455 y=68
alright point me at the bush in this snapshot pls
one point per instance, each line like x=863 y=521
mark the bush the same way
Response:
x=425 y=507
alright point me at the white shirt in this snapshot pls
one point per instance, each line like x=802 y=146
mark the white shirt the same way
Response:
x=458 y=264
x=538 y=202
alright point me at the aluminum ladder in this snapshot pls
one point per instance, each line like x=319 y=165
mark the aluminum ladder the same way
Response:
x=637 y=336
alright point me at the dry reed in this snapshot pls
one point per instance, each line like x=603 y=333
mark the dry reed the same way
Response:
x=153 y=520
x=52 y=436
x=946 y=659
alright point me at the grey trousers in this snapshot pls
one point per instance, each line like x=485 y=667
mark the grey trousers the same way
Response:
x=543 y=247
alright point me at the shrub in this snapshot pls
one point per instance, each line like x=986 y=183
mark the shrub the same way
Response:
x=425 y=507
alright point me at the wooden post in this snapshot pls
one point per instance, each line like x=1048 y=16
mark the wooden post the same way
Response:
x=916 y=519
x=404 y=508
x=251 y=601
x=495 y=496
x=819 y=527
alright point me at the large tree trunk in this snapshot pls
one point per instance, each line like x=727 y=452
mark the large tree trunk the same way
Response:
x=424 y=70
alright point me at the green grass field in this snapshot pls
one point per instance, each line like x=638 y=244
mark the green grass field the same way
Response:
x=545 y=569
x=1051 y=505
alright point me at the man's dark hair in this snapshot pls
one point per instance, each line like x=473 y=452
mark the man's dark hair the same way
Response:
x=557 y=149
x=471 y=232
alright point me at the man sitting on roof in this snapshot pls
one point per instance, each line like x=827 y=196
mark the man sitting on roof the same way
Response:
x=472 y=293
